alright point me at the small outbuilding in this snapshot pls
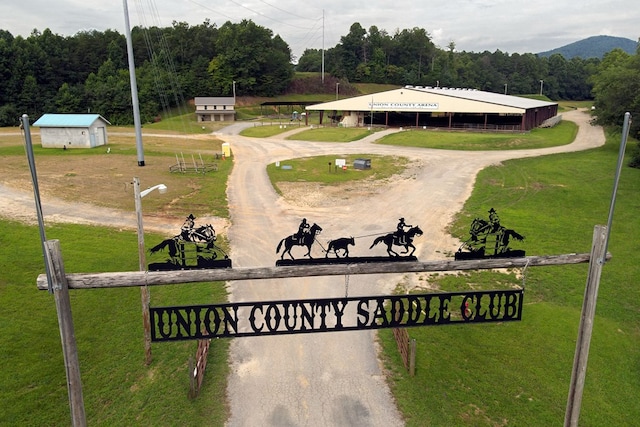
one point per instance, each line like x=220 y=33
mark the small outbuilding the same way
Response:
x=72 y=130
x=215 y=108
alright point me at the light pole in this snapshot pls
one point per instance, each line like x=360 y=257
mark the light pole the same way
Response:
x=505 y=88
x=142 y=263
x=541 y=83
x=337 y=84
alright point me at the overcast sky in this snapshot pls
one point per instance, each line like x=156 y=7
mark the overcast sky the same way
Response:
x=512 y=26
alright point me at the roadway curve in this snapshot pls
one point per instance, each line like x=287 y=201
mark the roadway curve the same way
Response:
x=332 y=379
x=335 y=379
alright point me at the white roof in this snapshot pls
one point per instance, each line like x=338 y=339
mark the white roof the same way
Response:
x=214 y=100
x=68 y=120
x=430 y=99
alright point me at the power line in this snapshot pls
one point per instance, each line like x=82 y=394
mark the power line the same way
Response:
x=212 y=10
x=289 y=13
x=265 y=16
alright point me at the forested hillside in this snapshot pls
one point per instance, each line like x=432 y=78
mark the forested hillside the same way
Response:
x=594 y=47
x=88 y=71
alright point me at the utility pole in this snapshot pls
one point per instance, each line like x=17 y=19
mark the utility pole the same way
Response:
x=134 y=86
x=58 y=286
x=322 y=46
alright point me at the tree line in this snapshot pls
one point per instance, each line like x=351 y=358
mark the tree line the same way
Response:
x=409 y=56
x=88 y=72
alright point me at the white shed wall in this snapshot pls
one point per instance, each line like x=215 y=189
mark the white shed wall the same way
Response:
x=72 y=137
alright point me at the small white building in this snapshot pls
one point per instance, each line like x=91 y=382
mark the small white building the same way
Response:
x=72 y=130
x=215 y=108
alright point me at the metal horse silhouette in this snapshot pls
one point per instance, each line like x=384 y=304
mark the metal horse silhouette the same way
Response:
x=489 y=239
x=194 y=247
x=305 y=236
x=405 y=240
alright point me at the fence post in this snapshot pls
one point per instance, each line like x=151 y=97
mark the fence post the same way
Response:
x=579 y=370
x=412 y=357
x=67 y=334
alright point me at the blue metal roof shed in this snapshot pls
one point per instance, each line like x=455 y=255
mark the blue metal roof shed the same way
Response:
x=72 y=130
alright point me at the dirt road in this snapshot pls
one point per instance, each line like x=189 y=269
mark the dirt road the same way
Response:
x=335 y=379
x=330 y=379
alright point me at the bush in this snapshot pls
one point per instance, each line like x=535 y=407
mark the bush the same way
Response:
x=635 y=157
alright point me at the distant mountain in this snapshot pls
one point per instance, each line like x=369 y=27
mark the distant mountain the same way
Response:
x=594 y=47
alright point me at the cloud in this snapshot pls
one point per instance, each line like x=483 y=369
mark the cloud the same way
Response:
x=473 y=25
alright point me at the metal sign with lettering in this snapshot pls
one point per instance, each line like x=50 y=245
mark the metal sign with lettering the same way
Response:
x=283 y=317
x=404 y=105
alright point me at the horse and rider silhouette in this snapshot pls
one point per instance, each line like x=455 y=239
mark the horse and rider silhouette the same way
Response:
x=399 y=238
x=489 y=238
x=306 y=236
x=188 y=233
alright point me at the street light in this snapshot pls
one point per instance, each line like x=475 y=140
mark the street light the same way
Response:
x=337 y=84
x=505 y=88
x=541 y=83
x=142 y=263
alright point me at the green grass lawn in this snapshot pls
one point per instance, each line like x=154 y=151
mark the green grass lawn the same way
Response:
x=322 y=169
x=562 y=134
x=515 y=373
x=118 y=389
x=267 y=130
x=518 y=373
x=332 y=134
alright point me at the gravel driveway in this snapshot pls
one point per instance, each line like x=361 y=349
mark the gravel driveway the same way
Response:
x=336 y=379
x=332 y=379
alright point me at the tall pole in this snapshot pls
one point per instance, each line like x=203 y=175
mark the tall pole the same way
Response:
x=337 y=85
x=134 y=86
x=623 y=145
x=541 y=83
x=145 y=297
x=54 y=267
x=323 y=46
x=579 y=371
x=36 y=192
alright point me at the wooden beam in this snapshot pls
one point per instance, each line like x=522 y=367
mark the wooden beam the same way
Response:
x=579 y=371
x=153 y=278
x=67 y=333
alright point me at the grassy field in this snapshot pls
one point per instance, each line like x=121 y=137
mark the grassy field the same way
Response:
x=73 y=174
x=337 y=134
x=322 y=169
x=518 y=373
x=118 y=388
x=562 y=134
x=477 y=375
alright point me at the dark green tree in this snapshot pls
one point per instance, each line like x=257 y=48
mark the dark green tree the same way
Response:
x=250 y=55
x=310 y=61
x=69 y=99
x=616 y=87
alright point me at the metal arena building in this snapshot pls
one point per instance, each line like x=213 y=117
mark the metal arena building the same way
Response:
x=442 y=108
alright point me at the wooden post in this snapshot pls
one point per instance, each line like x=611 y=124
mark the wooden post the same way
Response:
x=578 y=373
x=412 y=357
x=67 y=334
x=145 y=296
